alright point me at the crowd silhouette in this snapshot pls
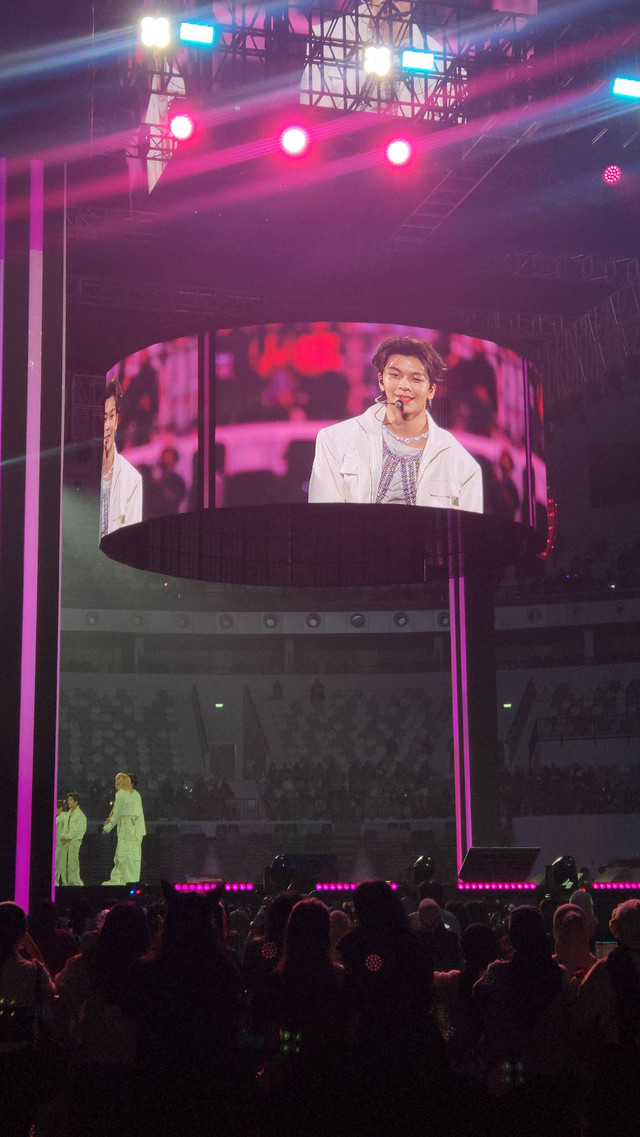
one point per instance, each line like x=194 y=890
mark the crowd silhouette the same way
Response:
x=389 y=1014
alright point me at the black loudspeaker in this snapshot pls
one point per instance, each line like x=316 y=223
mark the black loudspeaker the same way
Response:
x=497 y=864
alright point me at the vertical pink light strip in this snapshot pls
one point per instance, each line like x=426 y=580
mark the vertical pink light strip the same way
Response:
x=63 y=301
x=466 y=758
x=31 y=524
x=3 y=224
x=206 y=432
x=455 y=708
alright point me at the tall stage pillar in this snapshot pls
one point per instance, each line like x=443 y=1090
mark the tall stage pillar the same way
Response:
x=32 y=302
x=474 y=697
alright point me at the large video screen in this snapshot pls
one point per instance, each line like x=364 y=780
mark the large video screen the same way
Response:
x=150 y=442
x=279 y=386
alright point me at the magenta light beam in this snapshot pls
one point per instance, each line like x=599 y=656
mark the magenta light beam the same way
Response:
x=31 y=519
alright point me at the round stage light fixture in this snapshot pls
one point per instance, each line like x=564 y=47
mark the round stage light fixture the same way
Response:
x=401 y=619
x=377 y=61
x=155 y=31
x=182 y=126
x=612 y=175
x=358 y=620
x=294 y=141
x=313 y=620
x=423 y=870
x=399 y=152
x=225 y=621
x=270 y=620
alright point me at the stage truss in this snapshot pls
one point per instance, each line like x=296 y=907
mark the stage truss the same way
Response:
x=321 y=52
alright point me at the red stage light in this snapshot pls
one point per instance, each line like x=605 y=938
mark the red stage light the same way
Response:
x=399 y=152
x=294 y=141
x=612 y=175
x=182 y=126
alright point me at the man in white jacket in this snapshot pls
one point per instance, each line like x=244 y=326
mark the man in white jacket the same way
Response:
x=74 y=831
x=395 y=453
x=61 y=852
x=121 y=488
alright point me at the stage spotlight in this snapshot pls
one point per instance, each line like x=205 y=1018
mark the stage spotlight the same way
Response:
x=280 y=873
x=418 y=60
x=202 y=34
x=423 y=870
x=182 y=126
x=399 y=152
x=155 y=31
x=357 y=620
x=294 y=141
x=313 y=620
x=612 y=175
x=628 y=87
x=562 y=874
x=401 y=619
x=225 y=621
x=377 y=61
x=270 y=620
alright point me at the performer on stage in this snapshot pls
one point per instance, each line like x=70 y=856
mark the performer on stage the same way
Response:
x=75 y=829
x=121 y=492
x=395 y=453
x=61 y=852
x=126 y=863
x=141 y=829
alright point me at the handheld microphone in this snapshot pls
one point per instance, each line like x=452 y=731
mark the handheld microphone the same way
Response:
x=381 y=398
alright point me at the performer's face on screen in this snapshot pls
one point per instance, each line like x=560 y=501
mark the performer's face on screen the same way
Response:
x=110 y=427
x=404 y=377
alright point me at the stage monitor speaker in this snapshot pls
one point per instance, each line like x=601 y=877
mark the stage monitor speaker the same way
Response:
x=94 y=897
x=498 y=864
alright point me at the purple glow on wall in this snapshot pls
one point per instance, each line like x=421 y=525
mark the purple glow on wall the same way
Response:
x=31 y=524
x=466 y=755
x=455 y=707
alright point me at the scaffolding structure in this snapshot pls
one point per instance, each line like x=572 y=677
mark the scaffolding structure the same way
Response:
x=322 y=52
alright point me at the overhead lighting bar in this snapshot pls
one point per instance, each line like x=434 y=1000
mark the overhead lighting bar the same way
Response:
x=628 y=87
x=496 y=885
x=610 y=885
x=203 y=34
x=417 y=60
x=211 y=886
x=345 y=885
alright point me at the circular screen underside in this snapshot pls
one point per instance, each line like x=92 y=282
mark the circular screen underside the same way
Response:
x=306 y=546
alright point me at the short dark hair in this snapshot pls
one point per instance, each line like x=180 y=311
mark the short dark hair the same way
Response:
x=76 y=797
x=61 y=803
x=113 y=390
x=407 y=345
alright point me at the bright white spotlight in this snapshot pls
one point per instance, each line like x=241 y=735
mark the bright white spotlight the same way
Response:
x=399 y=152
x=630 y=87
x=182 y=126
x=377 y=61
x=294 y=141
x=155 y=31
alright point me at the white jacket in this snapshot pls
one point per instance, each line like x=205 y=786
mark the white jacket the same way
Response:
x=348 y=465
x=125 y=502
